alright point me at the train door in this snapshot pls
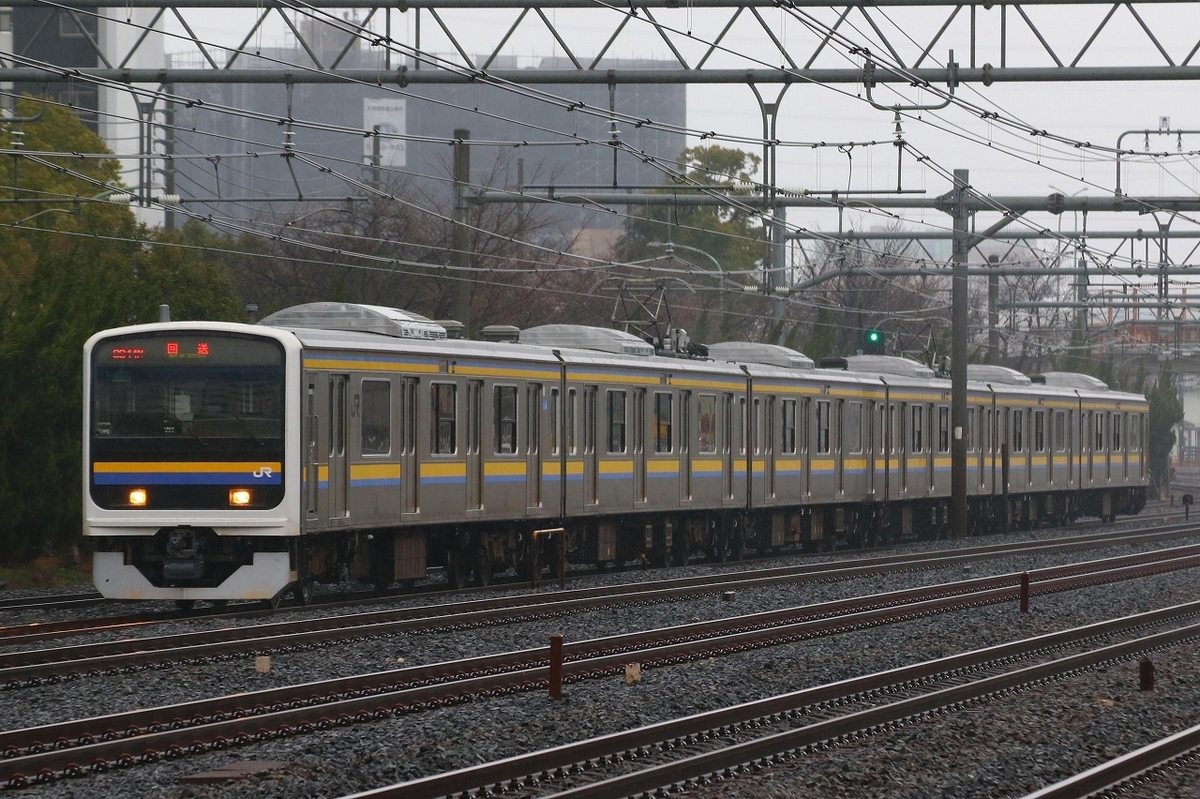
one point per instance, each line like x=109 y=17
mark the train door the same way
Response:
x=910 y=436
x=591 y=466
x=685 y=445
x=639 y=446
x=474 y=445
x=410 y=477
x=533 y=446
x=339 y=473
x=1121 y=444
x=312 y=447
x=803 y=427
x=768 y=446
x=839 y=450
x=870 y=442
x=1089 y=419
x=727 y=445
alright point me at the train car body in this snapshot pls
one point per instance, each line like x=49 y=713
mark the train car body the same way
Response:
x=227 y=461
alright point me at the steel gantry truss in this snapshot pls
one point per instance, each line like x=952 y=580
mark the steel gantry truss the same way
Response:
x=710 y=41
x=894 y=49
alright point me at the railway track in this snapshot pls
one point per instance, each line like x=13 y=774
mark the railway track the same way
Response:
x=77 y=747
x=25 y=634
x=1136 y=773
x=710 y=747
x=36 y=666
x=74 y=749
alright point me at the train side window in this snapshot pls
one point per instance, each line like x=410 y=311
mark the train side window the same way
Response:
x=708 y=423
x=1039 y=431
x=917 y=429
x=944 y=429
x=970 y=429
x=504 y=408
x=1060 y=431
x=662 y=422
x=1117 y=418
x=823 y=424
x=1018 y=430
x=854 y=427
x=1099 y=427
x=788 y=427
x=444 y=418
x=376 y=417
x=616 y=421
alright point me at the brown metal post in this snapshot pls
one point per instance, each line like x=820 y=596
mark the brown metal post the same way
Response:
x=1146 y=675
x=1024 y=592
x=556 y=656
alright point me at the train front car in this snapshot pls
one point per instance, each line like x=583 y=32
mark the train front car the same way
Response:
x=188 y=430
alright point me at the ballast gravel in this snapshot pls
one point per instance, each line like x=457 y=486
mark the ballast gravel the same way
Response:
x=1006 y=748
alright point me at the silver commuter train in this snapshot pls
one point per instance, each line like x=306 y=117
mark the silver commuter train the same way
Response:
x=231 y=461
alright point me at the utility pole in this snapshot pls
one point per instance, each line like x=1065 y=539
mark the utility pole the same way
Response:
x=994 y=310
x=461 y=290
x=958 y=357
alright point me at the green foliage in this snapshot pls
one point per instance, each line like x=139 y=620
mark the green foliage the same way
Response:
x=707 y=239
x=70 y=267
x=1166 y=411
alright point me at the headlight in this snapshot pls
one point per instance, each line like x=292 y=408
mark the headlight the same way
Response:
x=137 y=497
x=239 y=496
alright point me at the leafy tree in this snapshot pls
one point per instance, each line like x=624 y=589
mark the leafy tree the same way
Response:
x=1166 y=411
x=730 y=236
x=71 y=265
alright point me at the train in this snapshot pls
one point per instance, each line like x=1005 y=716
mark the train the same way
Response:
x=228 y=461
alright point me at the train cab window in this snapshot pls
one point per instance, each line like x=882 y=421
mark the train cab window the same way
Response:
x=943 y=431
x=788 y=427
x=708 y=423
x=376 y=417
x=854 y=427
x=918 y=418
x=1099 y=428
x=444 y=419
x=616 y=421
x=1117 y=418
x=823 y=425
x=1018 y=431
x=1060 y=431
x=1039 y=431
x=662 y=423
x=504 y=408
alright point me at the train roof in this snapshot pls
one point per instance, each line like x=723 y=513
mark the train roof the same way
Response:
x=350 y=316
x=754 y=352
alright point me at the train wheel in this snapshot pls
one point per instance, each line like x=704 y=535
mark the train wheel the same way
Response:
x=682 y=550
x=185 y=606
x=483 y=569
x=456 y=569
x=304 y=591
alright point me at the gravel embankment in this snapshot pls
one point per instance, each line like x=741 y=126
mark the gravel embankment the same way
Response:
x=1005 y=748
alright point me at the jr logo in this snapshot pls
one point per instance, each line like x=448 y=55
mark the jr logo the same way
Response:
x=262 y=471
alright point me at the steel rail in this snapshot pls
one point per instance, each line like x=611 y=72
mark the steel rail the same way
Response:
x=522 y=767
x=1126 y=768
x=764 y=751
x=62 y=748
x=32 y=667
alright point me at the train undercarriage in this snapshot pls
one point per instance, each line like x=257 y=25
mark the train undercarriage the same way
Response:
x=474 y=554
